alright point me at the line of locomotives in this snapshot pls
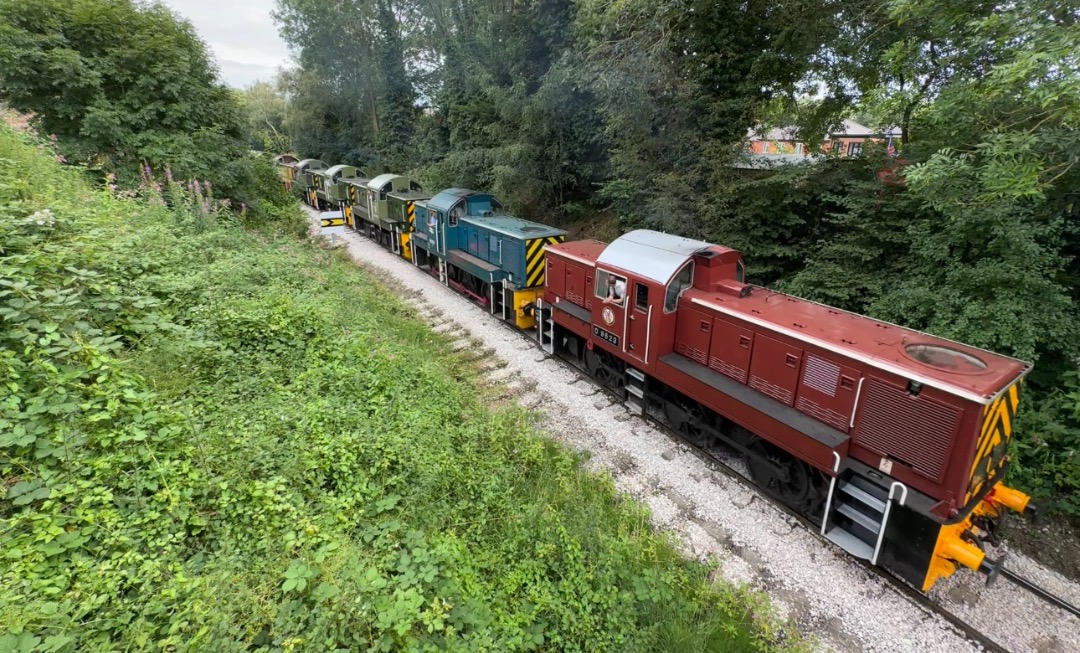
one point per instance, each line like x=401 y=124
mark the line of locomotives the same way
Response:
x=892 y=440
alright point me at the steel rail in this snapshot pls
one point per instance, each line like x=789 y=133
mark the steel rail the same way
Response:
x=1040 y=592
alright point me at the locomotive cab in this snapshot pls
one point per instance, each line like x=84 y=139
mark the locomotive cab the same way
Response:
x=305 y=179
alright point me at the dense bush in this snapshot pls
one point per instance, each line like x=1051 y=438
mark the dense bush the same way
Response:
x=220 y=440
x=119 y=98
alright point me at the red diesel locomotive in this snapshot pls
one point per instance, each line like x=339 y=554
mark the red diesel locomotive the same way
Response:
x=893 y=440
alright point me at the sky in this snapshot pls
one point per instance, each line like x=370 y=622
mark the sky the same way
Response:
x=241 y=34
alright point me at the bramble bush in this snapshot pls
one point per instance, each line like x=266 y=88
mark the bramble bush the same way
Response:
x=224 y=439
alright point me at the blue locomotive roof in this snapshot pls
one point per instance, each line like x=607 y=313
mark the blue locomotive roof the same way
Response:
x=508 y=225
x=449 y=197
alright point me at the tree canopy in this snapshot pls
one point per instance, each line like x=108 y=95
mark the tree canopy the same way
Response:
x=123 y=84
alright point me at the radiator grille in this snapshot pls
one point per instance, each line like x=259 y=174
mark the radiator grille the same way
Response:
x=917 y=431
x=830 y=417
x=724 y=367
x=690 y=352
x=821 y=375
x=776 y=392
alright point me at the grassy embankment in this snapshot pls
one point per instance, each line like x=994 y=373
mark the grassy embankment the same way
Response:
x=224 y=439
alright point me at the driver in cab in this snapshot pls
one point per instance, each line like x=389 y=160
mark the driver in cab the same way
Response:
x=616 y=290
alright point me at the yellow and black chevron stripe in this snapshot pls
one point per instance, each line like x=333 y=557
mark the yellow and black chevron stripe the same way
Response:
x=410 y=217
x=534 y=259
x=998 y=418
x=352 y=195
x=318 y=182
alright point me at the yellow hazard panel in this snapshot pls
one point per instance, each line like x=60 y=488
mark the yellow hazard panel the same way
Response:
x=998 y=418
x=406 y=248
x=534 y=259
x=347 y=210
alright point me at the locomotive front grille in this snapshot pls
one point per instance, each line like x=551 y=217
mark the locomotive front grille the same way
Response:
x=915 y=430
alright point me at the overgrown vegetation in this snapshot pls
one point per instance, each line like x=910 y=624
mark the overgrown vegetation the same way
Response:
x=123 y=84
x=220 y=440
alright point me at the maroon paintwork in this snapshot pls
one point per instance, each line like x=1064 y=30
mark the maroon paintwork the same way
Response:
x=836 y=382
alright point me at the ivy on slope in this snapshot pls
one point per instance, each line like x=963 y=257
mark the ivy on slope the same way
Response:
x=214 y=439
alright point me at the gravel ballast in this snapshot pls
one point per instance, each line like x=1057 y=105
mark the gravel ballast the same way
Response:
x=716 y=519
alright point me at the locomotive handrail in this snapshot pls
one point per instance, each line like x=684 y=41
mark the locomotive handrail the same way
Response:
x=885 y=517
x=855 y=406
x=832 y=489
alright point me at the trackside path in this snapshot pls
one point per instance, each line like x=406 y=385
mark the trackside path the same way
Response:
x=818 y=587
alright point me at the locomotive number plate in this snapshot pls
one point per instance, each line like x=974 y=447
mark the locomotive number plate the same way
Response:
x=606 y=336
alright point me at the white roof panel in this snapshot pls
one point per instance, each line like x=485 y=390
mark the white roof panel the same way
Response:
x=650 y=254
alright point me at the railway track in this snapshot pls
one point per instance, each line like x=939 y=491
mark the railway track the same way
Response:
x=722 y=466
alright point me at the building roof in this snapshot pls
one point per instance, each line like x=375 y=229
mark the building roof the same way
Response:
x=774 y=134
x=508 y=225
x=848 y=128
x=650 y=254
x=755 y=161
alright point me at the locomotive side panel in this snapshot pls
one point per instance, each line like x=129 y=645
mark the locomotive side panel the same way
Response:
x=693 y=334
x=555 y=278
x=730 y=349
x=828 y=390
x=783 y=426
x=774 y=368
x=578 y=287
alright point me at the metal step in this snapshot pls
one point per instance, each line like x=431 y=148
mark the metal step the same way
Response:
x=635 y=407
x=862 y=496
x=850 y=543
x=636 y=373
x=860 y=518
x=636 y=391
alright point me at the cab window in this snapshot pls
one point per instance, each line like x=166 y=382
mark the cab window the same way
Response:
x=608 y=284
x=683 y=280
x=456 y=212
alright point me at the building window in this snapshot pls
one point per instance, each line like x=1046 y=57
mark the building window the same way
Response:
x=854 y=148
x=798 y=148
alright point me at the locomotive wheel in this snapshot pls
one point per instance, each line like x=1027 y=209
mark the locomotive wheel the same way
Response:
x=780 y=475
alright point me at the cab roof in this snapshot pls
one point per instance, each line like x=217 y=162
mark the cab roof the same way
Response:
x=514 y=227
x=343 y=168
x=651 y=254
x=377 y=183
x=446 y=199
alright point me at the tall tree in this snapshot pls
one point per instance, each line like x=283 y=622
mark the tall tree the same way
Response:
x=118 y=97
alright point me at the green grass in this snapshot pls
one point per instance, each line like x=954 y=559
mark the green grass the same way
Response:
x=218 y=438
